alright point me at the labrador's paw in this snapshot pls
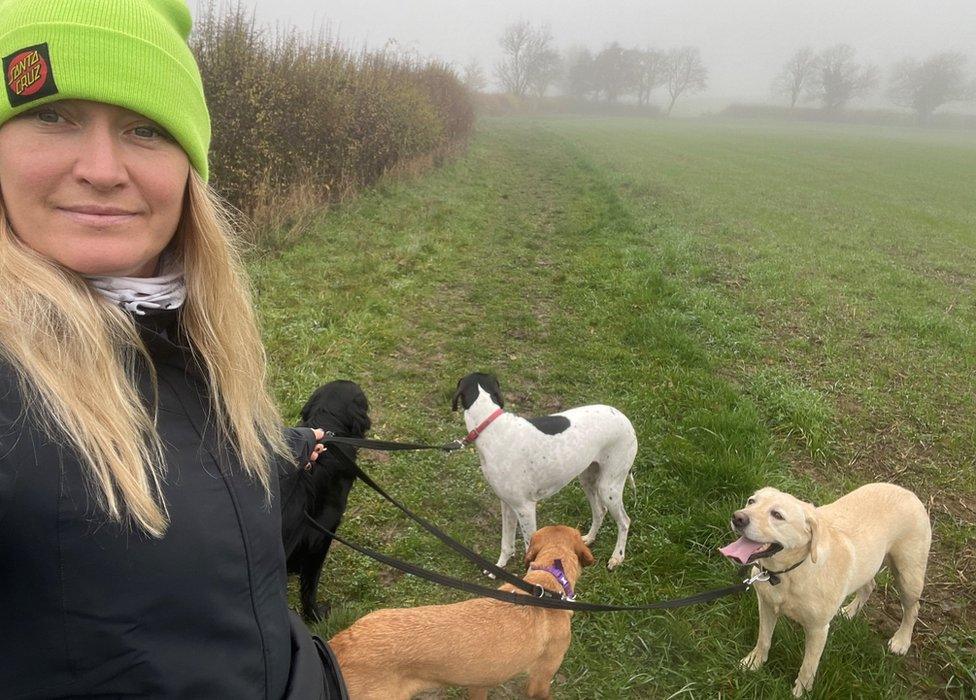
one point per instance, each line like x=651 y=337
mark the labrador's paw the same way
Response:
x=753 y=660
x=899 y=643
x=799 y=688
x=851 y=609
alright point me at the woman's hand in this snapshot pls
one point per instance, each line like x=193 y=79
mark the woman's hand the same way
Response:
x=319 y=447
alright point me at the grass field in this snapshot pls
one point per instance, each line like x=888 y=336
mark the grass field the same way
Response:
x=769 y=304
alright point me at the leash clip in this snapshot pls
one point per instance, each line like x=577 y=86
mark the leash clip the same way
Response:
x=542 y=591
x=455 y=445
x=761 y=577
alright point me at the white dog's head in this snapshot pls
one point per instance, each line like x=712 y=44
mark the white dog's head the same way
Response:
x=773 y=521
x=470 y=387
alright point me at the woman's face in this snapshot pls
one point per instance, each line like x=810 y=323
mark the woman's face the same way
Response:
x=94 y=187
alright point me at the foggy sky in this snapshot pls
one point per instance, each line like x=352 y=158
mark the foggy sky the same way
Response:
x=743 y=42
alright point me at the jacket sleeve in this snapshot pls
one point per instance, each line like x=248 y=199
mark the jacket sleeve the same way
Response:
x=10 y=428
x=8 y=477
x=291 y=477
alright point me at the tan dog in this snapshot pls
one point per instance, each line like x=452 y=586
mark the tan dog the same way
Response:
x=837 y=550
x=397 y=653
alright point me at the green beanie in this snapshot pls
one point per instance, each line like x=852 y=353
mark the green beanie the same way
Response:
x=130 y=53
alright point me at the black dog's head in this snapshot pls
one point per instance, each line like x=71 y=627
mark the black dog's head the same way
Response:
x=467 y=390
x=339 y=406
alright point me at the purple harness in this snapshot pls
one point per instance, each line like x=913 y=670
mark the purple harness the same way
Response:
x=556 y=569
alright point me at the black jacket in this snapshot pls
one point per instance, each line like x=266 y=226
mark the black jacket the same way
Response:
x=89 y=607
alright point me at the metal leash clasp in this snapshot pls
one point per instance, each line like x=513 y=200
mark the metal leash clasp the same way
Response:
x=456 y=445
x=761 y=577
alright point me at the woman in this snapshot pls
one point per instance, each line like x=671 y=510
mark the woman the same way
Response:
x=140 y=450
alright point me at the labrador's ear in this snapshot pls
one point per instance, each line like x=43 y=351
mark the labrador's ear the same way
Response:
x=533 y=551
x=359 y=421
x=813 y=522
x=584 y=554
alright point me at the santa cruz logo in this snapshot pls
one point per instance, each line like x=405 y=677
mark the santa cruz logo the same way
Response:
x=27 y=75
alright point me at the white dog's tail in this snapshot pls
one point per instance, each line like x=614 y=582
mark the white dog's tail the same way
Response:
x=630 y=478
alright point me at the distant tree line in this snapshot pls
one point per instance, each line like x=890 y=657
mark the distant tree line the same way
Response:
x=531 y=65
x=833 y=77
x=616 y=72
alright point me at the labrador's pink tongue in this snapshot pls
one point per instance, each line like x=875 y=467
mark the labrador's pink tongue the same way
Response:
x=741 y=549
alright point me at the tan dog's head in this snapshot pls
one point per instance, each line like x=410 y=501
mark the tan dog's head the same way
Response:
x=773 y=521
x=554 y=541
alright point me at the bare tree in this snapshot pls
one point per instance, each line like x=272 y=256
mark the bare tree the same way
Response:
x=579 y=79
x=925 y=86
x=838 y=79
x=545 y=64
x=513 y=70
x=650 y=72
x=614 y=72
x=530 y=62
x=474 y=76
x=685 y=72
x=796 y=75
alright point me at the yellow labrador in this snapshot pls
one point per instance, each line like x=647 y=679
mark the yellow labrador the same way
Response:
x=816 y=557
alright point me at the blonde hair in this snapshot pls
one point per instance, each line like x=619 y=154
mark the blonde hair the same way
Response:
x=69 y=344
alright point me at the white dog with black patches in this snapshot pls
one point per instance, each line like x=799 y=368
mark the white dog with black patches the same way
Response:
x=526 y=460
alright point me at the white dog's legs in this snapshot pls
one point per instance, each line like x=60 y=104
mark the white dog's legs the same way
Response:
x=612 y=497
x=509 y=523
x=525 y=513
x=860 y=598
x=767 y=623
x=816 y=638
x=587 y=480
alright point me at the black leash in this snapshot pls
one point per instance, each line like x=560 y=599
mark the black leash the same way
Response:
x=389 y=446
x=541 y=597
x=536 y=597
x=459 y=548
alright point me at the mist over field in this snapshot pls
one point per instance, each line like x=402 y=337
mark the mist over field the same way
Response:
x=743 y=44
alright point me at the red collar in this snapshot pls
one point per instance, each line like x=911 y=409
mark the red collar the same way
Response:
x=473 y=435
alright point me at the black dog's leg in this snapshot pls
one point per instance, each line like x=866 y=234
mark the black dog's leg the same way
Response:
x=310 y=572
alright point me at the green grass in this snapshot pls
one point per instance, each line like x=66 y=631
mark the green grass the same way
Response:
x=784 y=305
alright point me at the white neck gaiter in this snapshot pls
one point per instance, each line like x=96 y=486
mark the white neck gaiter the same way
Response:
x=134 y=294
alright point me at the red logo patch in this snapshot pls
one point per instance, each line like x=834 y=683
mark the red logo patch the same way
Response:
x=27 y=73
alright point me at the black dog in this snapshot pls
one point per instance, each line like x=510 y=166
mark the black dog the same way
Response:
x=340 y=407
